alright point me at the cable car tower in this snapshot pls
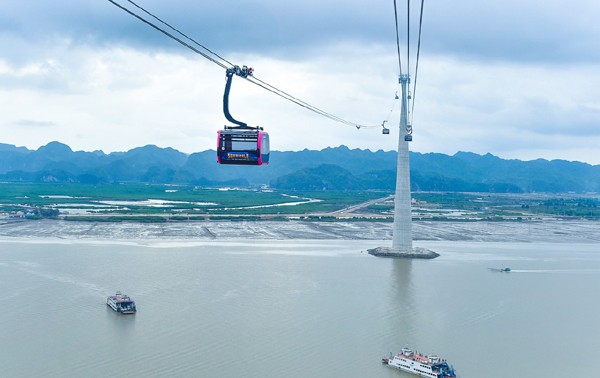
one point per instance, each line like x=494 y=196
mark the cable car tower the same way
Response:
x=402 y=232
x=402 y=228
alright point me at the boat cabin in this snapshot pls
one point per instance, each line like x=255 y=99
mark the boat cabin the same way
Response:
x=126 y=307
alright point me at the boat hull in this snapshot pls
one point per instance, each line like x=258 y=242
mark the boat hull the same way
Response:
x=412 y=370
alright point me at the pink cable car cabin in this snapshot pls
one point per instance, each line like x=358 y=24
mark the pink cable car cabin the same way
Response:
x=243 y=146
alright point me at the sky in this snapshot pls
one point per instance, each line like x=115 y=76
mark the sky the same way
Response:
x=517 y=79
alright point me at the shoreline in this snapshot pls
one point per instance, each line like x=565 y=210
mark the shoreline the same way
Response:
x=559 y=231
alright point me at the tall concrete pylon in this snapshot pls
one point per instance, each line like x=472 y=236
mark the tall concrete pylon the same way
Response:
x=402 y=229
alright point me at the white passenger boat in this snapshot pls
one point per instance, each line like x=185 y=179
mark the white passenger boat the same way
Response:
x=420 y=364
x=121 y=303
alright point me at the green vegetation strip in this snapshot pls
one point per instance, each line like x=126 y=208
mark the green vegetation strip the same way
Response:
x=187 y=202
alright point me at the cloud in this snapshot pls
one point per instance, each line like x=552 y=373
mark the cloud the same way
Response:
x=32 y=123
x=508 y=109
x=509 y=30
x=116 y=99
x=511 y=78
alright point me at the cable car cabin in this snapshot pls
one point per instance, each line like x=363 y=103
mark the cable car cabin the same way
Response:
x=243 y=147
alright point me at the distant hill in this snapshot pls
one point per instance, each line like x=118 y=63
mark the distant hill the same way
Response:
x=338 y=168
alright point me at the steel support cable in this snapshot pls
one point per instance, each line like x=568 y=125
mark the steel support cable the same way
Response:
x=179 y=32
x=263 y=85
x=304 y=104
x=417 y=60
x=392 y=108
x=397 y=38
x=169 y=35
x=408 y=38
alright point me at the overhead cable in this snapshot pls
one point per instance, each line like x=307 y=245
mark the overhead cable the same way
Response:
x=397 y=38
x=219 y=61
x=408 y=36
x=180 y=32
x=297 y=101
x=417 y=63
x=168 y=34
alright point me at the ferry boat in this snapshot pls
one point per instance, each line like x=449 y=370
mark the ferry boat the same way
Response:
x=121 y=303
x=420 y=364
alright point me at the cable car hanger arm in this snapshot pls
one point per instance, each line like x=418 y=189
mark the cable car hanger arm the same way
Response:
x=242 y=72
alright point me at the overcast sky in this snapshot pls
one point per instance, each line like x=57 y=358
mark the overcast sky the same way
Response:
x=518 y=79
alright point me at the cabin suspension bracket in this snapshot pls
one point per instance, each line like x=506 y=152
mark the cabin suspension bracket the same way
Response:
x=243 y=72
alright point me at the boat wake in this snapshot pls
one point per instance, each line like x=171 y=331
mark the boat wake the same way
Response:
x=557 y=271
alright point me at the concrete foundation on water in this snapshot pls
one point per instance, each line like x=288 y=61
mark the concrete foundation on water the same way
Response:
x=412 y=253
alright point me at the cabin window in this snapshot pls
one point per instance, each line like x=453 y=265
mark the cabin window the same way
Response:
x=239 y=142
x=265 y=144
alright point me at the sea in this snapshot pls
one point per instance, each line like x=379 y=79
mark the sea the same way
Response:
x=295 y=308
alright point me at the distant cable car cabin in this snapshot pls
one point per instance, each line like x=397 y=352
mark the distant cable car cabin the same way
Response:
x=242 y=144
x=385 y=130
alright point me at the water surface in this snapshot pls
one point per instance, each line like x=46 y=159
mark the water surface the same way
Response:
x=295 y=308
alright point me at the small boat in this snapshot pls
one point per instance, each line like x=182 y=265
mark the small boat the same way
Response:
x=121 y=303
x=506 y=270
x=420 y=364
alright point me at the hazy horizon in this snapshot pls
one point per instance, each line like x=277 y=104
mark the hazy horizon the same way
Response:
x=321 y=149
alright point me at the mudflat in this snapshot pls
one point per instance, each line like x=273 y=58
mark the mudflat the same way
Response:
x=553 y=230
